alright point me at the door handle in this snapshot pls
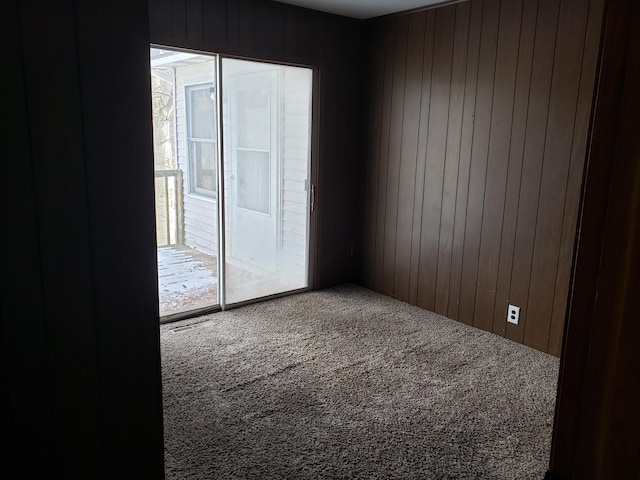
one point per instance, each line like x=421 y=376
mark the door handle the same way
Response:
x=313 y=197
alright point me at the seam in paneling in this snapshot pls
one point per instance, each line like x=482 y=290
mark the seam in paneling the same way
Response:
x=444 y=169
x=509 y=165
x=382 y=54
x=544 y=147
x=415 y=194
x=384 y=154
x=179 y=28
x=486 y=176
x=415 y=174
x=473 y=129
x=576 y=170
x=408 y=155
x=479 y=160
x=455 y=208
x=401 y=114
x=566 y=189
x=526 y=130
x=428 y=138
x=194 y=30
x=493 y=216
x=452 y=157
x=470 y=136
x=376 y=68
x=435 y=155
x=423 y=132
x=523 y=316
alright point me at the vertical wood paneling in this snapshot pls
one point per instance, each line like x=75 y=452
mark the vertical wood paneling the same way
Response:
x=233 y=24
x=574 y=184
x=194 y=21
x=160 y=24
x=57 y=157
x=418 y=194
x=452 y=156
x=553 y=187
x=278 y=26
x=479 y=158
x=498 y=163
x=307 y=36
x=83 y=365
x=376 y=70
x=179 y=20
x=291 y=31
x=539 y=99
x=388 y=36
x=596 y=424
x=435 y=155
x=26 y=405
x=329 y=108
x=348 y=158
x=516 y=153
x=246 y=24
x=125 y=305
x=214 y=19
x=499 y=146
x=466 y=140
x=394 y=153
x=408 y=158
x=264 y=31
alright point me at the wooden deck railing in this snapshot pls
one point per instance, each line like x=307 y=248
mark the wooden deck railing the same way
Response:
x=169 y=207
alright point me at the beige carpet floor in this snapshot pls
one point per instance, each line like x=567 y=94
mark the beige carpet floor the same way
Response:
x=349 y=384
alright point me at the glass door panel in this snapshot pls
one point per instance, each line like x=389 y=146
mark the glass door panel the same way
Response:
x=185 y=134
x=266 y=125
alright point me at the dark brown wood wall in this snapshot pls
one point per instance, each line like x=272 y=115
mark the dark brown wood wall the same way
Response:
x=477 y=130
x=80 y=386
x=597 y=422
x=278 y=32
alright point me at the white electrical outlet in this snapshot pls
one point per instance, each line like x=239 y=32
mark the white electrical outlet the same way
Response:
x=513 y=314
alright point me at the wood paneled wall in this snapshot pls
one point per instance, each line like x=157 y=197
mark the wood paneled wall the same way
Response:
x=80 y=386
x=597 y=422
x=279 y=32
x=477 y=131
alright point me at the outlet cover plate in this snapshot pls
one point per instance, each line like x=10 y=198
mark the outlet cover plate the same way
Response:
x=513 y=314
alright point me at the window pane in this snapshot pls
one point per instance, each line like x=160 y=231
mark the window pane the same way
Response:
x=205 y=165
x=253 y=180
x=203 y=113
x=254 y=118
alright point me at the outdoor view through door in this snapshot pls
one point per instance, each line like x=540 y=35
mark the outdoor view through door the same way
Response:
x=254 y=128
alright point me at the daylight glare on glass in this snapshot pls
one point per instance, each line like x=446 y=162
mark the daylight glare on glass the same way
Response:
x=265 y=120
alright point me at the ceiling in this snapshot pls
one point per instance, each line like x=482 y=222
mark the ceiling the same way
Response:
x=362 y=8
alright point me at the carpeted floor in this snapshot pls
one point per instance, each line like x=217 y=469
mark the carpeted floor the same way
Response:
x=346 y=383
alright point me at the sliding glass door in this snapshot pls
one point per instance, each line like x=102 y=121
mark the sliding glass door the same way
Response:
x=232 y=143
x=267 y=136
x=185 y=134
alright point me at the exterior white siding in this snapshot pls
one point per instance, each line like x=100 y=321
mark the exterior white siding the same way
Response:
x=295 y=167
x=200 y=212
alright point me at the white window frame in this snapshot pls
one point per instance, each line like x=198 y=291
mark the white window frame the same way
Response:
x=192 y=142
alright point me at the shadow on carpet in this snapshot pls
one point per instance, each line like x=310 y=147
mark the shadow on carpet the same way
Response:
x=347 y=383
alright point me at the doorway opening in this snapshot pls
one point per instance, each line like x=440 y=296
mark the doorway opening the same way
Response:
x=232 y=147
